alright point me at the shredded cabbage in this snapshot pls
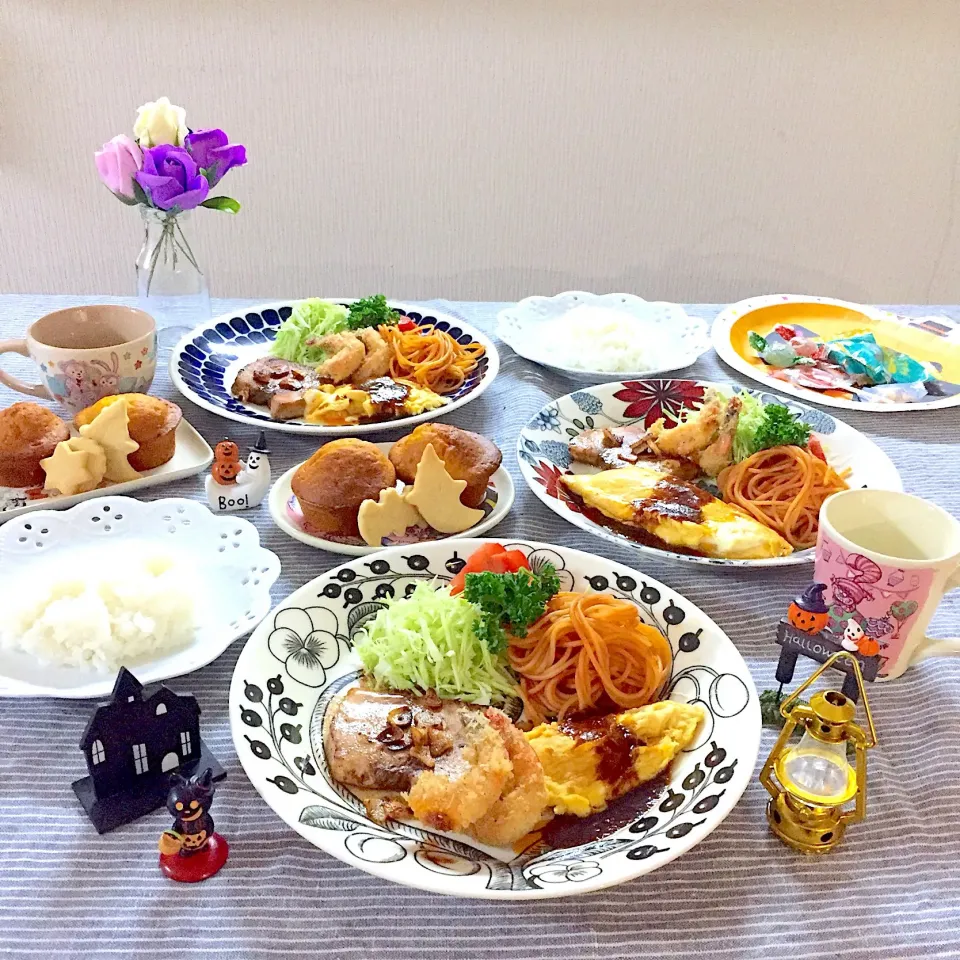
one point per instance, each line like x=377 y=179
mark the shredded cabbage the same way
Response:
x=310 y=318
x=428 y=641
x=752 y=416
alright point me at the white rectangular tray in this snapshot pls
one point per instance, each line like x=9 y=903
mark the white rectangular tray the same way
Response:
x=192 y=455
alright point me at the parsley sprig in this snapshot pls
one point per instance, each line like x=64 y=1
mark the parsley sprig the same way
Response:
x=371 y=312
x=509 y=601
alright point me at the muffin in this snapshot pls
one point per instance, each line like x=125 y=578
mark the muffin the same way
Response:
x=153 y=425
x=333 y=483
x=29 y=433
x=466 y=456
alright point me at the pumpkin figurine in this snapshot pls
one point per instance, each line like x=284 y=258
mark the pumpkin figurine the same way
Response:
x=226 y=463
x=868 y=646
x=808 y=612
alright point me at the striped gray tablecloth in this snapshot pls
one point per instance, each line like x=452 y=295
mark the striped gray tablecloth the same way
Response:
x=892 y=889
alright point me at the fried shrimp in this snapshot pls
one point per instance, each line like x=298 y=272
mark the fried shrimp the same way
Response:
x=524 y=796
x=345 y=354
x=376 y=363
x=464 y=784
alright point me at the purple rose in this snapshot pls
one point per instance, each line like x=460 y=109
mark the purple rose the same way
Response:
x=213 y=154
x=170 y=178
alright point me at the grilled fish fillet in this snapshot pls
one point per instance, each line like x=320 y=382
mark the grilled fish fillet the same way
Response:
x=678 y=513
x=588 y=763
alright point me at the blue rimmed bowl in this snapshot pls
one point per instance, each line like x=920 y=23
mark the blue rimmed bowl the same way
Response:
x=204 y=364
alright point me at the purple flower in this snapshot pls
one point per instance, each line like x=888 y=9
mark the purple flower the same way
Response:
x=170 y=178
x=214 y=154
x=117 y=163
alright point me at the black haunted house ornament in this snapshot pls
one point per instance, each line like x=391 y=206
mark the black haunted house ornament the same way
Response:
x=133 y=745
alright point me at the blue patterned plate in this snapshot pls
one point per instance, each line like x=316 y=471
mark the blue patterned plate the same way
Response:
x=544 y=455
x=205 y=362
x=301 y=657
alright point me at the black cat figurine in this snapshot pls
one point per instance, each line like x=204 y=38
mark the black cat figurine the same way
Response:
x=190 y=851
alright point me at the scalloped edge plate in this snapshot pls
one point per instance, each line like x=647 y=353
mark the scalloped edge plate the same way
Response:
x=513 y=321
x=57 y=530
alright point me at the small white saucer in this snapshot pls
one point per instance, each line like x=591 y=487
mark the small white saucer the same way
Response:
x=287 y=515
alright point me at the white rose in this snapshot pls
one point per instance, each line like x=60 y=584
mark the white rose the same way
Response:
x=160 y=122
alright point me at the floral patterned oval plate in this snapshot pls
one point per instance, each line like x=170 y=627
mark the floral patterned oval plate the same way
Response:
x=204 y=364
x=301 y=657
x=544 y=454
x=288 y=516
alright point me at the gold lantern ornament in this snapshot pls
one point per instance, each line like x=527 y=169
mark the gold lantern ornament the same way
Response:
x=811 y=782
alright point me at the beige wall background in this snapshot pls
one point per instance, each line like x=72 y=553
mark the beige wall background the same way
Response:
x=682 y=149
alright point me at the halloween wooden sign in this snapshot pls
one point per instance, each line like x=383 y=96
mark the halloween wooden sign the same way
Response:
x=808 y=630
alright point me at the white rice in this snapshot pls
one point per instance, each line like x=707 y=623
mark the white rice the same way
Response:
x=598 y=338
x=128 y=611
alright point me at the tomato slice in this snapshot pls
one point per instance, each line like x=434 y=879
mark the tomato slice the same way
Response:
x=815 y=448
x=490 y=558
x=406 y=325
x=477 y=559
x=477 y=562
x=516 y=560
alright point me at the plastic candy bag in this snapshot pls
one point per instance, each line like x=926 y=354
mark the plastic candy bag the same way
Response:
x=895 y=392
x=871 y=364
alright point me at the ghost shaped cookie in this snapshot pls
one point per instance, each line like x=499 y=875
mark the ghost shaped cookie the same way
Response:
x=77 y=466
x=437 y=496
x=388 y=515
x=110 y=429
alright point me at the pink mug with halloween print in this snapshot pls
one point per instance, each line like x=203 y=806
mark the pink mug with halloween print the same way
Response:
x=85 y=353
x=887 y=559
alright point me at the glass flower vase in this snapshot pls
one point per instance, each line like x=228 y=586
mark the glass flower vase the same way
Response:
x=170 y=285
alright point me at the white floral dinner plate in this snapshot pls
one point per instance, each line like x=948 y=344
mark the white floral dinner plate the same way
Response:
x=933 y=340
x=204 y=364
x=544 y=454
x=192 y=455
x=301 y=657
x=288 y=516
x=232 y=572
x=676 y=339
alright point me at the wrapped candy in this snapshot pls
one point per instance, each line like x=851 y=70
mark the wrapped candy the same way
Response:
x=777 y=349
x=871 y=364
x=895 y=392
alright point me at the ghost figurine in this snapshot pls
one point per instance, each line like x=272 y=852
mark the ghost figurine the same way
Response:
x=232 y=485
x=255 y=478
x=852 y=635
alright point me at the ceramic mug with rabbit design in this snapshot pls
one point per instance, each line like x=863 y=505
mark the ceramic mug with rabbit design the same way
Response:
x=85 y=353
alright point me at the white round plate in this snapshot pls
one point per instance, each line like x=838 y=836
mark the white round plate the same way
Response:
x=233 y=574
x=678 y=338
x=287 y=516
x=544 y=455
x=204 y=364
x=301 y=656
x=924 y=338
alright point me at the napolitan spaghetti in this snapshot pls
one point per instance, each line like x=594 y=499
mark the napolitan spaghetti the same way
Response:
x=783 y=487
x=430 y=358
x=588 y=652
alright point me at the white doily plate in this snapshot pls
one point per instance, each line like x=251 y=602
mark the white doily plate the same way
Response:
x=232 y=572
